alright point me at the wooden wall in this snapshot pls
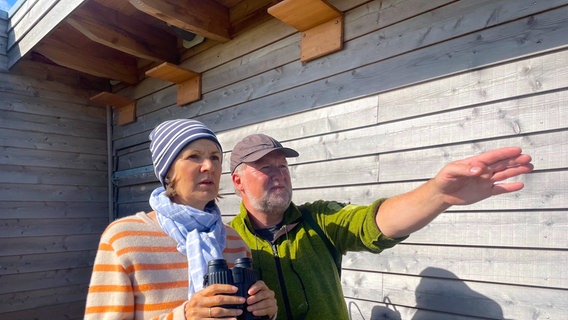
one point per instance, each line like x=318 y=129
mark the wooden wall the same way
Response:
x=53 y=190
x=418 y=84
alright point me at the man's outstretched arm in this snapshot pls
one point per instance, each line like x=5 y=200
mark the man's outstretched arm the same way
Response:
x=460 y=182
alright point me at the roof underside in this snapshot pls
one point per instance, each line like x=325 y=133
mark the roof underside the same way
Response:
x=120 y=40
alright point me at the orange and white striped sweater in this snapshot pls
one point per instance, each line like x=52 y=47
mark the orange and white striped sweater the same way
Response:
x=139 y=274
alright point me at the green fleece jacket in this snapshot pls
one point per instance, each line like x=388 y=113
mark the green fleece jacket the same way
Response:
x=299 y=267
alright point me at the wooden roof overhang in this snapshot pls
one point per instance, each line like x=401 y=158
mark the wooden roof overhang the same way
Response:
x=125 y=41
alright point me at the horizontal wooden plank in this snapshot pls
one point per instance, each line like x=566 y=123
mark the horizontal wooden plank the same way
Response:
x=519 y=266
x=419 y=65
x=45 y=280
x=50 y=159
x=53 y=227
x=43 y=192
x=94 y=144
x=53 y=124
x=52 y=91
x=458 y=297
x=38 y=298
x=49 y=244
x=68 y=310
x=21 y=264
x=52 y=176
x=501 y=82
x=45 y=107
x=51 y=209
x=362 y=310
x=520 y=229
x=494 y=121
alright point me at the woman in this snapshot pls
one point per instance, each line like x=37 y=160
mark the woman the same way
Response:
x=151 y=266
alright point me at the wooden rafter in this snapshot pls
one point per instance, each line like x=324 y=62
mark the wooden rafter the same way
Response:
x=124 y=34
x=62 y=47
x=204 y=17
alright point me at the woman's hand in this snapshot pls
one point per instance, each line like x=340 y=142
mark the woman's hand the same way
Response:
x=261 y=300
x=208 y=303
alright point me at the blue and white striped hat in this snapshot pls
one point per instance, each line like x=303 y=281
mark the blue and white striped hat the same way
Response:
x=170 y=137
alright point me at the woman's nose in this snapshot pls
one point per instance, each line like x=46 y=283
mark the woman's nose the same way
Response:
x=207 y=165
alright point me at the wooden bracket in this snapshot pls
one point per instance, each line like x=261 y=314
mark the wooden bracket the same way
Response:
x=188 y=82
x=125 y=107
x=321 y=25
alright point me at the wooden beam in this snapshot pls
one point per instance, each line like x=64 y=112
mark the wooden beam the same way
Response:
x=122 y=33
x=65 y=42
x=188 y=82
x=125 y=107
x=204 y=17
x=321 y=25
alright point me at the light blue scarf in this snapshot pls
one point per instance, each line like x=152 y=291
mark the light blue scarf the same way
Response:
x=200 y=235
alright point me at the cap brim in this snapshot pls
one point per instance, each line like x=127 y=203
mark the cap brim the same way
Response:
x=288 y=153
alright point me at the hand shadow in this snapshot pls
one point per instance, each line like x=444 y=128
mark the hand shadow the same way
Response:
x=440 y=295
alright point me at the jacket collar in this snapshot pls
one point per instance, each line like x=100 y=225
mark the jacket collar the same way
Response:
x=292 y=216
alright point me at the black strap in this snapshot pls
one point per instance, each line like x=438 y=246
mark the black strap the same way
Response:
x=330 y=247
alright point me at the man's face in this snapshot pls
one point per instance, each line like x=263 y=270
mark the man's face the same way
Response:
x=265 y=184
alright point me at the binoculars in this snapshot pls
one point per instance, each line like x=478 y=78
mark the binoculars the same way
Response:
x=241 y=276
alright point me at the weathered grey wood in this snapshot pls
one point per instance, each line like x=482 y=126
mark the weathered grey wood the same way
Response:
x=413 y=67
x=30 y=299
x=52 y=176
x=510 y=229
x=455 y=296
x=46 y=158
x=53 y=142
x=41 y=106
x=49 y=261
x=15 y=192
x=21 y=12
x=363 y=310
x=41 y=280
x=466 y=298
x=54 y=190
x=49 y=91
x=69 y=310
x=154 y=102
x=49 y=244
x=537 y=74
x=51 y=209
x=22 y=38
x=53 y=227
x=499 y=120
x=531 y=267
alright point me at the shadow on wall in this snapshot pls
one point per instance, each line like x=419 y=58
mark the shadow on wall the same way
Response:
x=440 y=295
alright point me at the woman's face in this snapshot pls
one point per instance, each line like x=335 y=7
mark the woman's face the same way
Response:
x=195 y=174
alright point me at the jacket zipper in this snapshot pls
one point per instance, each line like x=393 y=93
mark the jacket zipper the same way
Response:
x=281 y=280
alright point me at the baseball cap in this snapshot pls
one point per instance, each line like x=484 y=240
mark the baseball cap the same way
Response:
x=256 y=146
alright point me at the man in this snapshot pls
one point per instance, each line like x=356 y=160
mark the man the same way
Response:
x=296 y=249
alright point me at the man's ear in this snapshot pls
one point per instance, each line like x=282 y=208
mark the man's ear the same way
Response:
x=236 y=181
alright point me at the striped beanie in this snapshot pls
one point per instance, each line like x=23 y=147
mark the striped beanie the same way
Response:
x=170 y=137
